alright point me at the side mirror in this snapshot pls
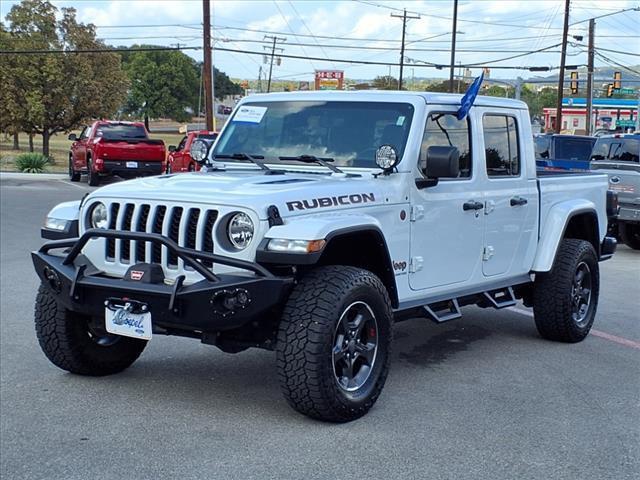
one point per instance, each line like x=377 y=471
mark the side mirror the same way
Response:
x=72 y=137
x=172 y=148
x=441 y=162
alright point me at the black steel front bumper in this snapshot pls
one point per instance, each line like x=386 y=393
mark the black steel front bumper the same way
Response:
x=192 y=309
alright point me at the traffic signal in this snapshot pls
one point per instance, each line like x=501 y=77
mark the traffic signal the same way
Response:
x=617 y=80
x=574 y=82
x=610 y=90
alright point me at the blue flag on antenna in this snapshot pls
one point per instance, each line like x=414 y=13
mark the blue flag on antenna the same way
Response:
x=469 y=97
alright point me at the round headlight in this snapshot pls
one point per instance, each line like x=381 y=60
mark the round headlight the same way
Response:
x=240 y=230
x=199 y=150
x=98 y=216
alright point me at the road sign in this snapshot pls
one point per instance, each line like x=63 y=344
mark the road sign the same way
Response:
x=625 y=91
x=625 y=123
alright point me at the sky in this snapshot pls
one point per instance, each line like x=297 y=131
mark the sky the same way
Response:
x=323 y=32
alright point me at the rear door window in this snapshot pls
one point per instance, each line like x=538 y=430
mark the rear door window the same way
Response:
x=502 y=152
x=573 y=148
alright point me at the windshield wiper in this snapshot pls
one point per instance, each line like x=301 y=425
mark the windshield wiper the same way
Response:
x=313 y=159
x=252 y=158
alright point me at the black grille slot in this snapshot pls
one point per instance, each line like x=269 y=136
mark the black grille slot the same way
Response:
x=192 y=228
x=141 y=226
x=111 y=243
x=174 y=232
x=125 y=246
x=207 y=243
x=156 y=251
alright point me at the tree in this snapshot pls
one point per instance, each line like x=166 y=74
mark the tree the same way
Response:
x=58 y=91
x=537 y=101
x=224 y=86
x=385 y=82
x=459 y=86
x=164 y=83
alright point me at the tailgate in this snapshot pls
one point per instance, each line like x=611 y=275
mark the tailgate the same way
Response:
x=147 y=150
x=624 y=179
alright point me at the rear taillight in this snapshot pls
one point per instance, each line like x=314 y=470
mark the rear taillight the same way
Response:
x=612 y=203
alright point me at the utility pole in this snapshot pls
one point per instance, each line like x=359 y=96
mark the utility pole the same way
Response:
x=273 y=52
x=592 y=33
x=260 y=79
x=404 y=18
x=453 y=44
x=565 y=32
x=208 y=89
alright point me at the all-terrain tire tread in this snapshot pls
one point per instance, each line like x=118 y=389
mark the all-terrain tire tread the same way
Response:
x=56 y=331
x=306 y=328
x=552 y=302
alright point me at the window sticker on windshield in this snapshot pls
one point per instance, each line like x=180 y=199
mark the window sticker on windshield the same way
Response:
x=400 y=121
x=250 y=114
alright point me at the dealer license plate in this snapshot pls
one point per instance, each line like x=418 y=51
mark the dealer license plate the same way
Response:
x=132 y=164
x=123 y=322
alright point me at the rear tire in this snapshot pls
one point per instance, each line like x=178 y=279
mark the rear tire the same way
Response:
x=334 y=343
x=565 y=299
x=92 y=176
x=630 y=234
x=73 y=175
x=72 y=343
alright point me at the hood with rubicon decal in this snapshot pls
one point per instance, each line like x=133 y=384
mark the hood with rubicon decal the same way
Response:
x=292 y=192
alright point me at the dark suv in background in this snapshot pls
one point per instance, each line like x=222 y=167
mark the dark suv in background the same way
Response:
x=618 y=156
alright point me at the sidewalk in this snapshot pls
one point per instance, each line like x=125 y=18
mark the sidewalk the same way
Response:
x=32 y=176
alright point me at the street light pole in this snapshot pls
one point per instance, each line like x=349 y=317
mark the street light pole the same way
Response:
x=563 y=58
x=453 y=45
x=588 y=119
x=208 y=88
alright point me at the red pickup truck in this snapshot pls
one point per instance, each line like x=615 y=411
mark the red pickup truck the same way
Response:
x=115 y=148
x=179 y=159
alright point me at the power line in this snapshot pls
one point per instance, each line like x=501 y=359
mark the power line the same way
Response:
x=481 y=22
x=308 y=29
x=96 y=50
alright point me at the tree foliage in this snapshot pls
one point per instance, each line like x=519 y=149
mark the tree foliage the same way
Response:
x=57 y=92
x=385 y=82
x=163 y=84
x=167 y=84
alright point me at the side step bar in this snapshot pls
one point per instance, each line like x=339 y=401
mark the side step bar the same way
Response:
x=501 y=298
x=446 y=310
x=443 y=311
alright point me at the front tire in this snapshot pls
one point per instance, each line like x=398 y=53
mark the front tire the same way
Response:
x=566 y=298
x=334 y=340
x=630 y=234
x=73 y=343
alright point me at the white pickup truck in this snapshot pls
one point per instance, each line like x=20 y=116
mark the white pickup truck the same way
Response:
x=320 y=219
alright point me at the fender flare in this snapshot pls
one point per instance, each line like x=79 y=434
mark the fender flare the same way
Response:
x=554 y=229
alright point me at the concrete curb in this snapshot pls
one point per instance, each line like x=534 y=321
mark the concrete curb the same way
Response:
x=32 y=176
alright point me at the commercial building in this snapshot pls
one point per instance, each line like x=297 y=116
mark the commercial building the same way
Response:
x=607 y=113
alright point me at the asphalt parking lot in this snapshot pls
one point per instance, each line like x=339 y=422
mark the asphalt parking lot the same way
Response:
x=481 y=398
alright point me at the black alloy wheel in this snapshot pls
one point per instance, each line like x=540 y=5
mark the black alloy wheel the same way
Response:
x=355 y=346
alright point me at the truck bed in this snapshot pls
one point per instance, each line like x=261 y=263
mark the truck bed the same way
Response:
x=589 y=188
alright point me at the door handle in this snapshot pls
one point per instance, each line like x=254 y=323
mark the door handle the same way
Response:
x=516 y=201
x=472 y=205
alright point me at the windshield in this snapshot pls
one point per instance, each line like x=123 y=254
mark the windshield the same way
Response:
x=347 y=132
x=120 y=131
x=617 y=149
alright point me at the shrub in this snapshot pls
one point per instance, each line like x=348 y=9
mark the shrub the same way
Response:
x=32 y=162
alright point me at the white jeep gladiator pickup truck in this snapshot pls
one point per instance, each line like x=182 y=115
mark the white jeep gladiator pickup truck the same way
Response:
x=320 y=219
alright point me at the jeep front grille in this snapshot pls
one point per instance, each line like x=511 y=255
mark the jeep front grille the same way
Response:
x=188 y=227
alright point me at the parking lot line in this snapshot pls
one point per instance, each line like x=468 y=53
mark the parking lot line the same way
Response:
x=607 y=336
